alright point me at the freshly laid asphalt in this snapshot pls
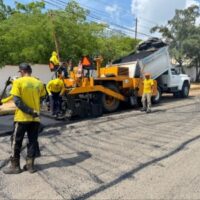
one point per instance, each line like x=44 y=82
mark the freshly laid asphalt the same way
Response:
x=6 y=124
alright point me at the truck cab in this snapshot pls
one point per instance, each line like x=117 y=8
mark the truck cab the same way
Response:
x=152 y=56
x=172 y=81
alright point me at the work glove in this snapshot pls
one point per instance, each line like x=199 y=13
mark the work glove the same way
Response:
x=35 y=114
x=8 y=82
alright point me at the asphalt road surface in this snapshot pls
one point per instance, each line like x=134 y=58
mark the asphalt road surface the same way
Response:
x=126 y=155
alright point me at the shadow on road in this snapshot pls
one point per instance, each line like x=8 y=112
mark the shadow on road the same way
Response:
x=134 y=171
x=51 y=133
x=81 y=156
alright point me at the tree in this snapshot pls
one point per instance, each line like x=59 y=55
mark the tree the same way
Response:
x=5 y=11
x=178 y=30
x=29 y=34
x=192 y=50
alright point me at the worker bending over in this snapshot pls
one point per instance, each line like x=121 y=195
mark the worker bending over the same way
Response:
x=147 y=93
x=55 y=89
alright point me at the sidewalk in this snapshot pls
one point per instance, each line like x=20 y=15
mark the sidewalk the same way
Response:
x=195 y=86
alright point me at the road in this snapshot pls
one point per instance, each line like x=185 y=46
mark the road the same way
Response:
x=126 y=155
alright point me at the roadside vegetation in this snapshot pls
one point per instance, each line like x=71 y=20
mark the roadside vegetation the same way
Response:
x=29 y=32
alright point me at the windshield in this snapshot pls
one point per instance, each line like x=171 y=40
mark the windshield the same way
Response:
x=174 y=71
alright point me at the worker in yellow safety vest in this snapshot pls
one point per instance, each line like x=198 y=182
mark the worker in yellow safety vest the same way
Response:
x=54 y=62
x=26 y=92
x=55 y=89
x=147 y=93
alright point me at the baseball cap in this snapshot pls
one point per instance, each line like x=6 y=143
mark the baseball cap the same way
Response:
x=25 y=67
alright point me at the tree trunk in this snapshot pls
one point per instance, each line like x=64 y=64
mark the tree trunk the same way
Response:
x=197 y=73
x=181 y=66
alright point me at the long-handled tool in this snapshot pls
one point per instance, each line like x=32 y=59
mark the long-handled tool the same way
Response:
x=6 y=85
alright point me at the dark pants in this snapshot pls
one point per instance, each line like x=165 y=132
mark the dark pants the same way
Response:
x=55 y=103
x=21 y=128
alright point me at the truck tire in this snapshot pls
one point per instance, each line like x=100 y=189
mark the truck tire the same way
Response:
x=185 y=90
x=110 y=104
x=156 y=99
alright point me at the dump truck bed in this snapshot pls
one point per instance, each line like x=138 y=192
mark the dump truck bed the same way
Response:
x=155 y=62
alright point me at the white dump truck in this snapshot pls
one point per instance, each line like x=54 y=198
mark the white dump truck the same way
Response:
x=153 y=57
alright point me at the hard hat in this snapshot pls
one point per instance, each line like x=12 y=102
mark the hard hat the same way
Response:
x=54 y=53
x=25 y=67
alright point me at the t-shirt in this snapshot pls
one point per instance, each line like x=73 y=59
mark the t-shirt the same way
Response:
x=55 y=85
x=54 y=60
x=148 y=83
x=29 y=89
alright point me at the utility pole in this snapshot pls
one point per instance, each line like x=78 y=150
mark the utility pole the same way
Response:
x=54 y=34
x=136 y=27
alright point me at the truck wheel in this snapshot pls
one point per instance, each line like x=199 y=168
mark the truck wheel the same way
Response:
x=109 y=103
x=156 y=99
x=185 y=90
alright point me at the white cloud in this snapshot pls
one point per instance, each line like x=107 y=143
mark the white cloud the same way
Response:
x=114 y=11
x=156 y=12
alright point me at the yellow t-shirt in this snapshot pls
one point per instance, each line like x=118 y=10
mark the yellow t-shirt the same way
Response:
x=54 y=60
x=148 y=83
x=55 y=85
x=29 y=89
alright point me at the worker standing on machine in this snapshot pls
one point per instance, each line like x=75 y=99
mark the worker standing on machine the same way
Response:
x=54 y=62
x=86 y=65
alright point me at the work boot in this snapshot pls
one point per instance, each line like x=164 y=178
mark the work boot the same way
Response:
x=148 y=111
x=143 y=109
x=29 y=166
x=14 y=167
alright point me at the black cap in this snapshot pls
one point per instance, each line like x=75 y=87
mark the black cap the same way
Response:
x=25 y=67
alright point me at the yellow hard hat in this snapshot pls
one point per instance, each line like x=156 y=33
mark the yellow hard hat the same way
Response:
x=54 y=53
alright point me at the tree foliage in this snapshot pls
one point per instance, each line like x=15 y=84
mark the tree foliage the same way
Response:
x=28 y=32
x=182 y=33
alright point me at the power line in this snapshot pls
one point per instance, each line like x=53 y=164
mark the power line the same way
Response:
x=100 y=20
x=149 y=21
x=89 y=8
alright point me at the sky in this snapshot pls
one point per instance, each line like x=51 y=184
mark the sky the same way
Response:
x=122 y=14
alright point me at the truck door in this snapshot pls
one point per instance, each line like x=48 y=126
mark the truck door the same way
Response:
x=174 y=78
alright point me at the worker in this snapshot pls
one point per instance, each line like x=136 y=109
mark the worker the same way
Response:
x=26 y=92
x=79 y=70
x=54 y=62
x=10 y=98
x=86 y=65
x=67 y=68
x=55 y=89
x=147 y=93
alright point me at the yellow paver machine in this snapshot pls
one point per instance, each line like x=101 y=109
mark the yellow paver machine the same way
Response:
x=94 y=91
